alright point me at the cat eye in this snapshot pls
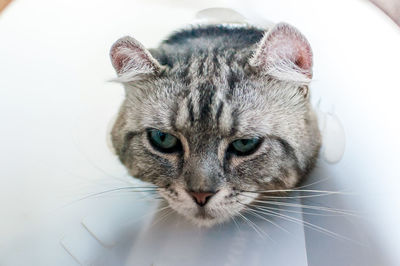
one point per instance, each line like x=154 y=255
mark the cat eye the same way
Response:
x=243 y=147
x=163 y=142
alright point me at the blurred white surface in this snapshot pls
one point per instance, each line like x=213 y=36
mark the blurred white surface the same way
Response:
x=55 y=106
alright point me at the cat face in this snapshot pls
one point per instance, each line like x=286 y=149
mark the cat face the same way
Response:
x=212 y=128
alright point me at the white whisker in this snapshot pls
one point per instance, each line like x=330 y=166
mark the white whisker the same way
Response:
x=303 y=196
x=299 y=212
x=254 y=213
x=252 y=225
x=312 y=207
x=313 y=183
x=310 y=225
x=236 y=224
x=299 y=190
x=163 y=217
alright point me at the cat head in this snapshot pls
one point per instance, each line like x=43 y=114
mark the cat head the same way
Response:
x=212 y=128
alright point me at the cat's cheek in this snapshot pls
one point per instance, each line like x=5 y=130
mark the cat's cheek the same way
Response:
x=133 y=170
x=291 y=178
x=139 y=170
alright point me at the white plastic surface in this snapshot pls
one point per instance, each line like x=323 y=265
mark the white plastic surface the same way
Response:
x=333 y=136
x=55 y=105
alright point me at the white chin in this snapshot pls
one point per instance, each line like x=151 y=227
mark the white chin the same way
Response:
x=200 y=218
x=203 y=219
x=206 y=222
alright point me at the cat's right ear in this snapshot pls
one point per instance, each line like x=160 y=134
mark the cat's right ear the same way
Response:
x=131 y=60
x=284 y=53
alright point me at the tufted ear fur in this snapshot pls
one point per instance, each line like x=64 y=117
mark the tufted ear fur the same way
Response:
x=285 y=54
x=131 y=60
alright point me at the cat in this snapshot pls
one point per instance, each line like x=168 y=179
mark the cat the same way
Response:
x=217 y=115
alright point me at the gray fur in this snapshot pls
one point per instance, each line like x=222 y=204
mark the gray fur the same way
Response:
x=207 y=94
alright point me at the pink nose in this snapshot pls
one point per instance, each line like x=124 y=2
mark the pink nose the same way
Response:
x=201 y=198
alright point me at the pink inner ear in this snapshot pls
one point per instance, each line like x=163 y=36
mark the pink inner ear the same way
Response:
x=118 y=56
x=285 y=43
x=303 y=57
x=118 y=59
x=127 y=54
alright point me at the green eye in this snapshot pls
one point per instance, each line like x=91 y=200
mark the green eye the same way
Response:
x=163 y=142
x=243 y=147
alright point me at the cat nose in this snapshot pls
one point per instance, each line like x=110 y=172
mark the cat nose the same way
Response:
x=201 y=198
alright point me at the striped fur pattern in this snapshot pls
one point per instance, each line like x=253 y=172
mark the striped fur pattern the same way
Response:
x=206 y=93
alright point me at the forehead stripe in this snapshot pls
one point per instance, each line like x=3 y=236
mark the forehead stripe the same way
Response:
x=207 y=92
x=190 y=110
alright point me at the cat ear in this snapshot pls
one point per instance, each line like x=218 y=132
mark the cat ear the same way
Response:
x=285 y=54
x=131 y=60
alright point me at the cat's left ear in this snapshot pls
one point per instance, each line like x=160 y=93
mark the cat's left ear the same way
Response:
x=285 y=54
x=132 y=60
